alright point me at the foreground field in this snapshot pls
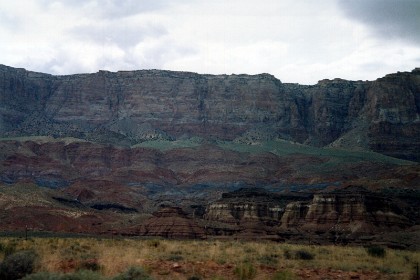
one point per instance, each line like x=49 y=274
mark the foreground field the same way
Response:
x=171 y=259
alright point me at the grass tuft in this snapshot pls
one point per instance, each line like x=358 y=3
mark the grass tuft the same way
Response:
x=284 y=275
x=245 y=271
x=376 y=251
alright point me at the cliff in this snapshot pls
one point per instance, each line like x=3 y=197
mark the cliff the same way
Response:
x=128 y=107
x=347 y=211
x=253 y=205
x=341 y=215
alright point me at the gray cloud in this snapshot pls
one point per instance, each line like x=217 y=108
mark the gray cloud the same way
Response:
x=389 y=19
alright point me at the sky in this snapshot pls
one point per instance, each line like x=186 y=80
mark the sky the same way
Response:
x=298 y=41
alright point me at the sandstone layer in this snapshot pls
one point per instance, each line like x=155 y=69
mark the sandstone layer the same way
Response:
x=340 y=216
x=172 y=222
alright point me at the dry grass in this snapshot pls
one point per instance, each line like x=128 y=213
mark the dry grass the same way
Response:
x=115 y=256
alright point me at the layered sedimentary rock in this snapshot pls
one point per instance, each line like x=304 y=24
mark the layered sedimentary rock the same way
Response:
x=61 y=164
x=248 y=205
x=171 y=222
x=294 y=214
x=345 y=212
x=352 y=210
x=247 y=213
x=132 y=106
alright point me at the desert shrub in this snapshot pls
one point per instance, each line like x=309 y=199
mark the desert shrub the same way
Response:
x=283 y=275
x=221 y=260
x=79 y=275
x=323 y=251
x=376 y=251
x=270 y=260
x=89 y=264
x=287 y=254
x=82 y=275
x=134 y=273
x=245 y=271
x=249 y=250
x=8 y=249
x=18 y=265
x=153 y=243
x=298 y=255
x=174 y=258
x=42 y=276
x=303 y=255
x=387 y=270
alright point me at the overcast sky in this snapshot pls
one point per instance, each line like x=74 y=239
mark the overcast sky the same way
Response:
x=296 y=40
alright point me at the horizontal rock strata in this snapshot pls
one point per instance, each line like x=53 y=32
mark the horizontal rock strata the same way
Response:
x=131 y=106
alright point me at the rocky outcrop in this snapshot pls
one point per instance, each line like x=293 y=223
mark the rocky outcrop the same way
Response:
x=127 y=107
x=248 y=205
x=247 y=213
x=294 y=214
x=172 y=222
x=335 y=215
x=348 y=211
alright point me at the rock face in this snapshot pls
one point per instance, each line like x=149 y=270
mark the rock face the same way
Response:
x=348 y=211
x=132 y=106
x=254 y=205
x=172 y=222
x=336 y=215
x=246 y=212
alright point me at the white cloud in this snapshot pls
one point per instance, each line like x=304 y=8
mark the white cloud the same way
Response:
x=297 y=41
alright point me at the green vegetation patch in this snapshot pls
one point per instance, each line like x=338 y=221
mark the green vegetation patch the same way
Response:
x=279 y=147
x=284 y=148
x=164 y=145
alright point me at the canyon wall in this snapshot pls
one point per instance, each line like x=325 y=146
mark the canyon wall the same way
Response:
x=128 y=107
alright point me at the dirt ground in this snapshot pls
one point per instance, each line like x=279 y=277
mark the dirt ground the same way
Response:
x=211 y=270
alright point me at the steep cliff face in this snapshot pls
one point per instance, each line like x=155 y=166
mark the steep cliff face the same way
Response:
x=247 y=205
x=22 y=94
x=345 y=212
x=396 y=118
x=334 y=106
x=132 y=106
x=340 y=214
